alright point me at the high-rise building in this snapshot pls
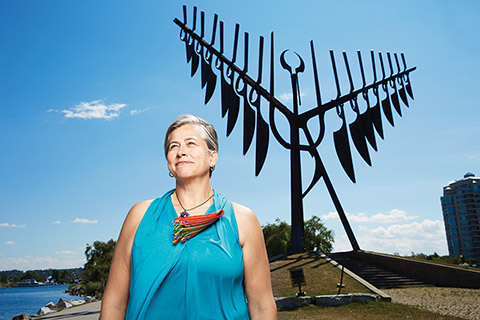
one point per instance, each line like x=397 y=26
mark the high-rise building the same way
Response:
x=461 y=213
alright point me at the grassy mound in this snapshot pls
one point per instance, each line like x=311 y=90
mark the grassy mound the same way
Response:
x=321 y=276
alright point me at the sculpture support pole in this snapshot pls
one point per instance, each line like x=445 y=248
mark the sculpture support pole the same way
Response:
x=341 y=213
x=296 y=192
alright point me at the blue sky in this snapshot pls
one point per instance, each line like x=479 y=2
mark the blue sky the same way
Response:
x=88 y=88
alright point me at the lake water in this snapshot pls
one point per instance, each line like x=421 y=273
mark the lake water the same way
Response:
x=29 y=300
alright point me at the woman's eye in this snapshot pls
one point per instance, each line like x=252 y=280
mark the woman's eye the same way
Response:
x=173 y=146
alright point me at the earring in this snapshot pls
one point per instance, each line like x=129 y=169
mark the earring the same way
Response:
x=212 y=168
x=170 y=174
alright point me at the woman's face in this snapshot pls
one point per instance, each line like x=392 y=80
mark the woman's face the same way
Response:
x=188 y=155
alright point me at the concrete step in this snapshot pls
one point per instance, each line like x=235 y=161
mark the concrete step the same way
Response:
x=376 y=275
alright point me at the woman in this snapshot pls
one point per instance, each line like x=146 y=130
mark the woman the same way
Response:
x=190 y=253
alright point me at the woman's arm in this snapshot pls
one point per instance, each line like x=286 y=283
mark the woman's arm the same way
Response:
x=258 y=287
x=115 y=298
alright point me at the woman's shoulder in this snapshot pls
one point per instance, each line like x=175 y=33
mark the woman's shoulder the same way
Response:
x=137 y=212
x=242 y=212
x=247 y=222
x=141 y=206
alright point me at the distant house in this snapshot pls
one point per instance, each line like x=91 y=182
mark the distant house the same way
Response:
x=29 y=283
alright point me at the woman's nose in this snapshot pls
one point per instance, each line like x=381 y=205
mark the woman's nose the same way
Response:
x=181 y=151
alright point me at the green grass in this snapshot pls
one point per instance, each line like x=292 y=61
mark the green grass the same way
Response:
x=321 y=276
x=368 y=311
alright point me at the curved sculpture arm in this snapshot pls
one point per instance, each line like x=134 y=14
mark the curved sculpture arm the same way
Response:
x=319 y=168
x=273 y=126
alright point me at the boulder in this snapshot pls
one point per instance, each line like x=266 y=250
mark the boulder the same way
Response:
x=364 y=297
x=89 y=299
x=333 y=300
x=76 y=302
x=44 y=310
x=63 y=304
x=292 y=302
x=23 y=316
x=51 y=305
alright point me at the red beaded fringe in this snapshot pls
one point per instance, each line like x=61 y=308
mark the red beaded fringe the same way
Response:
x=188 y=227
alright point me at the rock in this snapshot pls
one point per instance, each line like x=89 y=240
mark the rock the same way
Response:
x=364 y=297
x=292 y=302
x=64 y=304
x=44 y=310
x=23 y=316
x=89 y=299
x=333 y=300
x=51 y=305
x=76 y=302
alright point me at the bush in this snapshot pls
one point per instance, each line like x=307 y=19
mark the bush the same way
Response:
x=94 y=289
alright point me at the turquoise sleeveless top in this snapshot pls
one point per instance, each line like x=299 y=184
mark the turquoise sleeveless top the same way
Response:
x=199 y=279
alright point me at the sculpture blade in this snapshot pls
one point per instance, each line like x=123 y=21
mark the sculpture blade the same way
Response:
x=194 y=63
x=403 y=95
x=205 y=68
x=248 y=125
x=387 y=109
x=409 y=89
x=263 y=134
x=367 y=126
x=211 y=82
x=233 y=105
x=227 y=95
x=358 y=139
x=342 y=147
x=395 y=101
x=377 y=118
x=232 y=115
x=189 y=49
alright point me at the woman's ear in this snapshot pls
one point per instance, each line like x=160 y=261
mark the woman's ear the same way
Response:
x=213 y=158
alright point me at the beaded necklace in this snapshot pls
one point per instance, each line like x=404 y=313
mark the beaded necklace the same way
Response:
x=188 y=227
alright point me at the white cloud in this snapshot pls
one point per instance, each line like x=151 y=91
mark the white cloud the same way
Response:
x=45 y=262
x=9 y=242
x=395 y=215
x=287 y=97
x=135 y=112
x=8 y=225
x=332 y=215
x=94 y=110
x=66 y=252
x=80 y=220
x=427 y=236
x=427 y=229
x=57 y=222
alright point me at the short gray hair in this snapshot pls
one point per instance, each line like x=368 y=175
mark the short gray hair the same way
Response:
x=208 y=132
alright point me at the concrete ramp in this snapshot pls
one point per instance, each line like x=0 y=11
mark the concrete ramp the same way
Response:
x=378 y=276
x=387 y=271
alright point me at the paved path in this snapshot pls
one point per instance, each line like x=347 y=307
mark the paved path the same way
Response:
x=88 y=311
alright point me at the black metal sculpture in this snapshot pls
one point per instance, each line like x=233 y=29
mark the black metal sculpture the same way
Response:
x=236 y=83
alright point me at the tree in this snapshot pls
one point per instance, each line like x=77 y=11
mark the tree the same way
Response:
x=30 y=274
x=63 y=276
x=4 y=278
x=316 y=238
x=99 y=258
x=277 y=237
x=56 y=275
